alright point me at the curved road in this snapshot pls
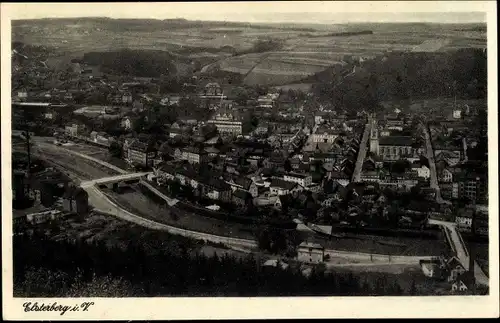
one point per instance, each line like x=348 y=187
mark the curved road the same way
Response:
x=105 y=205
x=461 y=251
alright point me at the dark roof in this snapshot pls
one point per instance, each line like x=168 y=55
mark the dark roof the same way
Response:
x=297 y=175
x=285 y=199
x=396 y=141
x=242 y=194
x=140 y=146
x=193 y=150
x=276 y=182
x=467 y=278
x=214 y=183
x=340 y=175
x=74 y=191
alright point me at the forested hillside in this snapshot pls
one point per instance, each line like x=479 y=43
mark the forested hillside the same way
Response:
x=408 y=75
x=142 y=63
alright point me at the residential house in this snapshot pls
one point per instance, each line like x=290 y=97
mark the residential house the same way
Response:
x=449 y=190
x=74 y=130
x=325 y=135
x=212 y=152
x=193 y=155
x=242 y=183
x=472 y=186
x=42 y=217
x=422 y=170
x=340 y=176
x=281 y=187
x=229 y=122
x=451 y=158
x=454 y=268
x=463 y=283
x=241 y=198
x=127 y=98
x=464 y=219
x=215 y=189
x=267 y=101
x=304 y=180
x=75 y=199
x=445 y=176
x=126 y=123
x=212 y=90
x=262 y=129
x=310 y=253
x=141 y=153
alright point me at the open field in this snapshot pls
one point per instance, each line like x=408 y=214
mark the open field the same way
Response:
x=305 y=51
x=81 y=168
x=402 y=246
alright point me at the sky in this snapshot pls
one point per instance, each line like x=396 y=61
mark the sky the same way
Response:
x=268 y=12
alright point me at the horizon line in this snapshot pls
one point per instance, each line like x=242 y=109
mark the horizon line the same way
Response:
x=280 y=22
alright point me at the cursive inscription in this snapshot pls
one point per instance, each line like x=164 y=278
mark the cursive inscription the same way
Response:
x=55 y=307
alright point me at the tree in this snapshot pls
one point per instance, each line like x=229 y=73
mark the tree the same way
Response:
x=400 y=166
x=104 y=286
x=288 y=165
x=413 y=288
x=264 y=240
x=115 y=149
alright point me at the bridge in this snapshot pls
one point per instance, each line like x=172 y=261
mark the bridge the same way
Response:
x=114 y=179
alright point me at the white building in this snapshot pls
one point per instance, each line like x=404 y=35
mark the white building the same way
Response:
x=304 y=180
x=445 y=176
x=423 y=171
x=325 y=135
x=126 y=123
x=227 y=123
x=310 y=253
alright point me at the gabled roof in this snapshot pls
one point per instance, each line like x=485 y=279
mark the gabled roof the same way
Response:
x=276 y=182
x=285 y=199
x=467 y=278
x=193 y=150
x=396 y=141
x=242 y=194
x=310 y=245
x=140 y=146
x=453 y=262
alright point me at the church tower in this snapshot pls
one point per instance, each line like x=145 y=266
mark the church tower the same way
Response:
x=374 y=136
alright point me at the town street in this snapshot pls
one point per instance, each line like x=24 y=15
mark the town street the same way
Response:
x=362 y=152
x=432 y=165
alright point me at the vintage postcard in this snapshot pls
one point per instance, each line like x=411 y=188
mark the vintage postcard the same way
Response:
x=318 y=159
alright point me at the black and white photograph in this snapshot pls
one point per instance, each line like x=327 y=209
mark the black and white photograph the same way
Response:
x=272 y=150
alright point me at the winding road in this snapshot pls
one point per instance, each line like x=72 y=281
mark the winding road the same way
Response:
x=104 y=205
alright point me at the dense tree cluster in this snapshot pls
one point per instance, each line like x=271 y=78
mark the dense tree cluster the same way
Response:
x=46 y=268
x=133 y=62
x=403 y=75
